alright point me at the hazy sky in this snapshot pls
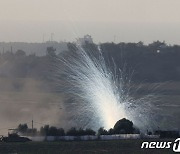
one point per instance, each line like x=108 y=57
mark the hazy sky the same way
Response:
x=105 y=20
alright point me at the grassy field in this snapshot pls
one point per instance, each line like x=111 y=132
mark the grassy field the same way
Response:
x=78 y=147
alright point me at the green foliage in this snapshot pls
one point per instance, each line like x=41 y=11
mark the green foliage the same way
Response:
x=20 y=53
x=72 y=132
x=81 y=132
x=123 y=126
x=51 y=131
x=102 y=131
x=22 y=128
x=51 y=51
x=153 y=63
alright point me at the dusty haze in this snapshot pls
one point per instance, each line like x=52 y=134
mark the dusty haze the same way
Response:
x=24 y=99
x=105 y=20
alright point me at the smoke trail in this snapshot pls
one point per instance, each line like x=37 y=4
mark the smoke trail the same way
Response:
x=100 y=96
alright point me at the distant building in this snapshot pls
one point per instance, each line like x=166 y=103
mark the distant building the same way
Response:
x=86 y=39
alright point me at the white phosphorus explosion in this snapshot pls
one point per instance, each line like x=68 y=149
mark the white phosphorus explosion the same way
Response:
x=101 y=93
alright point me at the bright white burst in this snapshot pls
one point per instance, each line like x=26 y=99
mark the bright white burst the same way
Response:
x=100 y=93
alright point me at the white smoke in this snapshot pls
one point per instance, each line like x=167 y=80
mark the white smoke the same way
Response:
x=101 y=93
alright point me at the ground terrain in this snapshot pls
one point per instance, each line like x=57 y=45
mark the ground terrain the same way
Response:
x=78 y=147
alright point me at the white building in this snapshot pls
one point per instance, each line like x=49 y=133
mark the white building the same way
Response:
x=84 y=40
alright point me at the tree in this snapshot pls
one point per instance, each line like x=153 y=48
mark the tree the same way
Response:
x=53 y=131
x=80 y=132
x=51 y=51
x=111 y=131
x=157 y=44
x=102 y=131
x=124 y=126
x=22 y=128
x=90 y=132
x=61 y=132
x=72 y=132
x=44 y=130
x=20 y=53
